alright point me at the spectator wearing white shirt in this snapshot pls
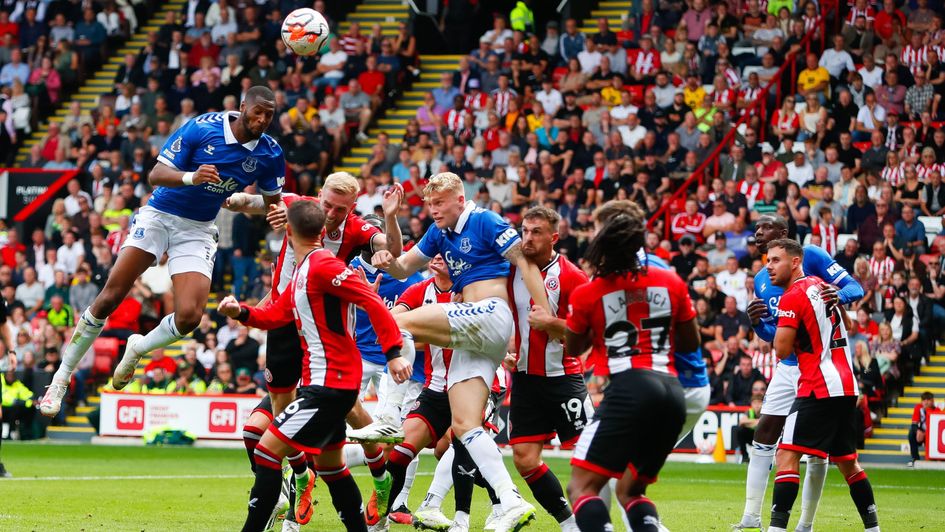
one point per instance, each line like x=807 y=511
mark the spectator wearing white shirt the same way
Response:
x=799 y=170
x=871 y=72
x=70 y=253
x=549 y=97
x=331 y=66
x=837 y=59
x=72 y=200
x=225 y=26
x=869 y=118
x=731 y=281
x=215 y=13
x=589 y=58
x=497 y=35
x=620 y=116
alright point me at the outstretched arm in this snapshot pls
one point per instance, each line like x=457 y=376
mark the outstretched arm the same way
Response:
x=394 y=239
x=400 y=267
x=531 y=273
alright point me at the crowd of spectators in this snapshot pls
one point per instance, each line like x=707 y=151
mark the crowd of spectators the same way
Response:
x=843 y=151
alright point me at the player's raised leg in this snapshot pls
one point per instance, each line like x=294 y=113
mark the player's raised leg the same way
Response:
x=132 y=262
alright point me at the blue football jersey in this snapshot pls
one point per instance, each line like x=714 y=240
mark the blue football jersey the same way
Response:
x=390 y=291
x=690 y=366
x=817 y=262
x=475 y=249
x=209 y=139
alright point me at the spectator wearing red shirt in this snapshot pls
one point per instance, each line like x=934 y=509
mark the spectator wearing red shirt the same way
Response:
x=883 y=23
x=8 y=252
x=9 y=28
x=158 y=360
x=920 y=416
x=691 y=222
x=124 y=321
x=349 y=40
x=204 y=47
x=372 y=82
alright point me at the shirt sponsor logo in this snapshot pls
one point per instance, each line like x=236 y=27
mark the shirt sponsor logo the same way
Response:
x=506 y=236
x=834 y=270
x=226 y=187
x=222 y=416
x=340 y=278
x=786 y=314
x=456 y=265
x=130 y=413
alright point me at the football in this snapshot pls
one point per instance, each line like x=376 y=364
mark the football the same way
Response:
x=305 y=31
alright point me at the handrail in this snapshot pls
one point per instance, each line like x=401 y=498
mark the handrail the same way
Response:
x=747 y=113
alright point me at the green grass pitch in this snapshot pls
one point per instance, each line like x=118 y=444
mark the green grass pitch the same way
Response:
x=73 y=488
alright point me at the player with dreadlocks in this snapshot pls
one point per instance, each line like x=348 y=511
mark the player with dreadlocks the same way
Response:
x=636 y=317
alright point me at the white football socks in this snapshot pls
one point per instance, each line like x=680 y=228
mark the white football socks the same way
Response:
x=814 y=477
x=86 y=331
x=442 y=481
x=759 y=469
x=487 y=457
x=163 y=335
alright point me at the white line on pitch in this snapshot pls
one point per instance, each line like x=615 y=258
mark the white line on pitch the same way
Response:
x=160 y=477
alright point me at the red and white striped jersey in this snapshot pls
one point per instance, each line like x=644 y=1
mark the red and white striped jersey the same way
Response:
x=437 y=366
x=352 y=236
x=828 y=237
x=894 y=175
x=764 y=363
x=475 y=102
x=925 y=172
x=731 y=76
x=502 y=99
x=632 y=319
x=750 y=94
x=728 y=96
x=869 y=14
x=454 y=119
x=321 y=300
x=646 y=63
x=537 y=353
x=914 y=58
x=810 y=23
x=882 y=269
x=823 y=353
x=751 y=191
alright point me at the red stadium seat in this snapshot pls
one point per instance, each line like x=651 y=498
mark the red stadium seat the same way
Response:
x=102 y=364
x=624 y=37
x=557 y=74
x=636 y=94
x=107 y=347
x=341 y=89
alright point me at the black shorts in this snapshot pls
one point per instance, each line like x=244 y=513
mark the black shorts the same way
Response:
x=283 y=359
x=265 y=406
x=635 y=427
x=822 y=427
x=544 y=406
x=315 y=421
x=433 y=408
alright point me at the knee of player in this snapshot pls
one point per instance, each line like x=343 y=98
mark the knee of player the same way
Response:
x=187 y=318
x=525 y=462
x=769 y=429
x=462 y=426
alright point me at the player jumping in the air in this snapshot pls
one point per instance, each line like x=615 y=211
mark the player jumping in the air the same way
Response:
x=822 y=420
x=209 y=158
x=639 y=317
x=320 y=300
x=783 y=386
x=549 y=395
x=345 y=234
x=477 y=246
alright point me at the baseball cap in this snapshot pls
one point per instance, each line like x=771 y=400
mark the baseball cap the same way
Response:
x=242 y=372
x=719 y=234
x=767 y=148
x=688 y=240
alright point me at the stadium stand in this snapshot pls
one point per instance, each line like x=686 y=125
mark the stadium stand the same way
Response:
x=708 y=113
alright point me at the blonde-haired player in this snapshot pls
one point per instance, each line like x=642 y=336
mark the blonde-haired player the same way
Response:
x=477 y=246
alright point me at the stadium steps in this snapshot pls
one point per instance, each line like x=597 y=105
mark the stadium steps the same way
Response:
x=101 y=82
x=405 y=108
x=388 y=13
x=889 y=443
x=613 y=10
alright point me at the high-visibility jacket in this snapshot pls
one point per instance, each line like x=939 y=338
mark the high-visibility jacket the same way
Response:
x=16 y=392
x=196 y=386
x=522 y=18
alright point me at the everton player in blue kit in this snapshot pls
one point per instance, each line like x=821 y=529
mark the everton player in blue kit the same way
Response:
x=782 y=389
x=477 y=246
x=205 y=161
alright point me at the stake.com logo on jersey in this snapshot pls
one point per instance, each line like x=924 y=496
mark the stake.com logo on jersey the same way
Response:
x=130 y=414
x=222 y=416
